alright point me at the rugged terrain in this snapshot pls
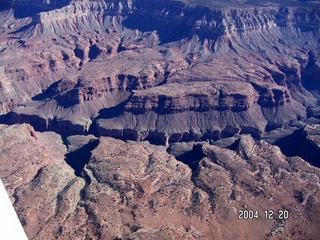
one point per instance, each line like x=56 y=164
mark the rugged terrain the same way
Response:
x=161 y=119
x=135 y=190
x=135 y=70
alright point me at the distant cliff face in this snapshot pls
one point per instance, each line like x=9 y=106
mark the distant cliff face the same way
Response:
x=196 y=77
x=105 y=66
x=138 y=190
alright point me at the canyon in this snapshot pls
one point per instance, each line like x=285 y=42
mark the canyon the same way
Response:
x=134 y=119
x=111 y=189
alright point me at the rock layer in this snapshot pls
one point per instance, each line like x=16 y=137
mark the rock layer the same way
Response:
x=137 y=190
x=164 y=72
x=103 y=63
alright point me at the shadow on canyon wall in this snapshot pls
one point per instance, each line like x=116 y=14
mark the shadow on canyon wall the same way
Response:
x=24 y=9
x=80 y=157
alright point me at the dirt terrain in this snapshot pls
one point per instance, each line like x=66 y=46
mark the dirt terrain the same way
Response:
x=134 y=190
x=161 y=119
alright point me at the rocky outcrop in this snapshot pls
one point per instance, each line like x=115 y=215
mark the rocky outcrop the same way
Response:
x=171 y=73
x=310 y=144
x=298 y=17
x=33 y=170
x=124 y=188
x=116 y=67
x=213 y=21
x=300 y=141
x=85 y=90
x=173 y=98
x=167 y=128
x=24 y=152
x=252 y=179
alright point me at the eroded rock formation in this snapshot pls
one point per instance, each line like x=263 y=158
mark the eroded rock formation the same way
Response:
x=89 y=75
x=136 y=190
x=94 y=56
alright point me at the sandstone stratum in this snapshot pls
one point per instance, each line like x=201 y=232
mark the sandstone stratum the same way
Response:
x=148 y=119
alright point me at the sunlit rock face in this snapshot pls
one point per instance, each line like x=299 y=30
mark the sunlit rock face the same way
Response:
x=107 y=66
x=137 y=190
x=156 y=119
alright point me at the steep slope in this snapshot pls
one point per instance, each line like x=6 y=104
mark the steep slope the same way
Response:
x=128 y=190
x=174 y=73
x=165 y=72
x=98 y=66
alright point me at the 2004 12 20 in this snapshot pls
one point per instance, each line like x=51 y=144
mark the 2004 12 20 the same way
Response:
x=282 y=214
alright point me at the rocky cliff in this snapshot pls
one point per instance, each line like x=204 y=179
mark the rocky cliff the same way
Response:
x=128 y=190
x=102 y=54
x=213 y=84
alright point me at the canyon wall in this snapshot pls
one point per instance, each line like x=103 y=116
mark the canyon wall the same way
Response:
x=125 y=190
x=199 y=91
x=105 y=61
